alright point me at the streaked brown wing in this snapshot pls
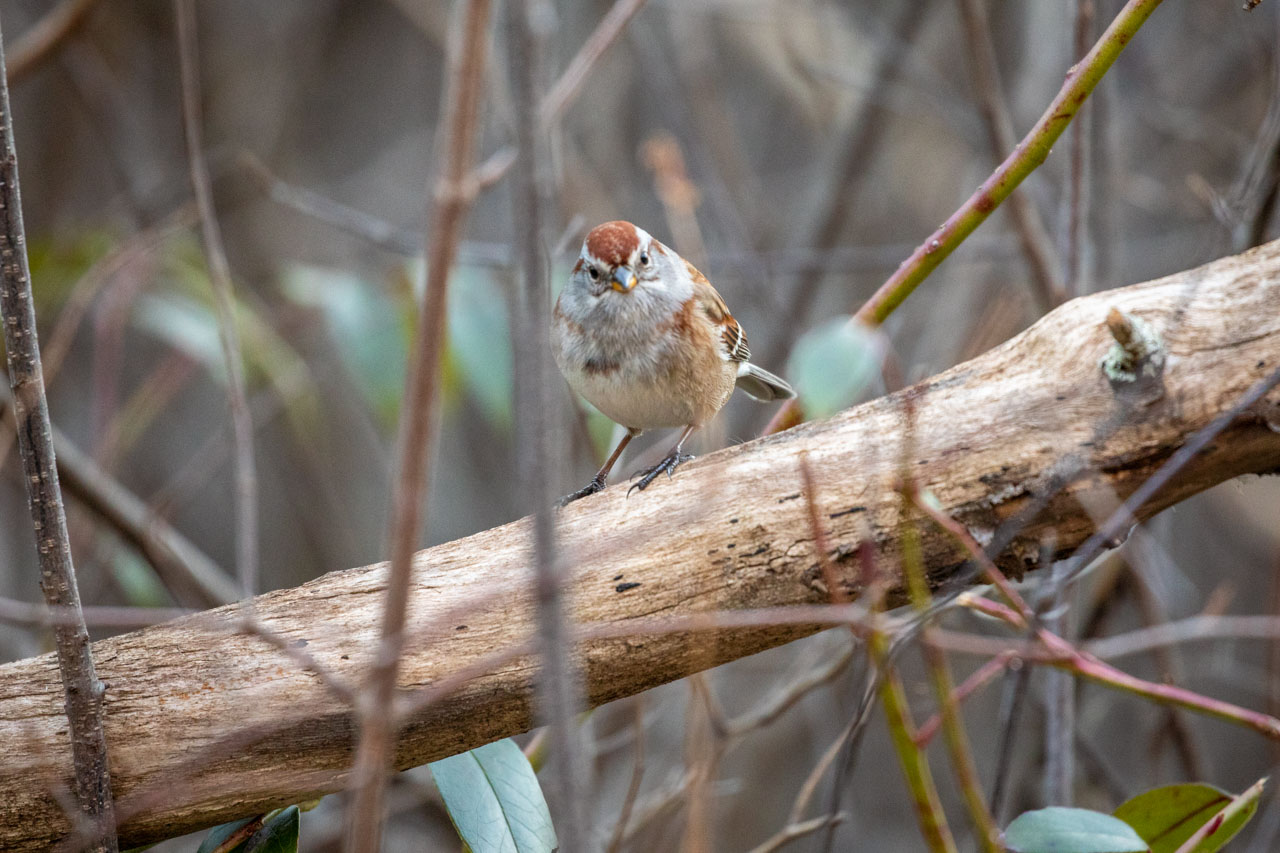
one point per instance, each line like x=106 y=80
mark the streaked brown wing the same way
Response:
x=732 y=337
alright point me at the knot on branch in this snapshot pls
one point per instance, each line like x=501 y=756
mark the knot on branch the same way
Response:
x=1138 y=351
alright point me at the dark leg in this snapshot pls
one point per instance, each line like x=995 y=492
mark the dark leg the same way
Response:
x=597 y=482
x=666 y=466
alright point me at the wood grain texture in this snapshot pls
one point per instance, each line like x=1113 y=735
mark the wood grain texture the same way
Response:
x=206 y=724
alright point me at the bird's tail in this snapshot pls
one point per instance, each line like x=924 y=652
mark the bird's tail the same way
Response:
x=762 y=384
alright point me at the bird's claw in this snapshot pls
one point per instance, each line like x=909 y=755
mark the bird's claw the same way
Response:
x=596 y=485
x=666 y=466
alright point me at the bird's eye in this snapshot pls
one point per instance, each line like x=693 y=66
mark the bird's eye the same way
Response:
x=644 y=259
x=594 y=273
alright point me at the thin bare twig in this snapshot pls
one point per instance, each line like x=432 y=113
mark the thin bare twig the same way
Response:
x=893 y=696
x=377 y=231
x=1060 y=653
x=704 y=748
x=1202 y=628
x=45 y=36
x=1012 y=704
x=183 y=566
x=975 y=682
x=788 y=696
x=793 y=831
x=1080 y=164
x=1026 y=157
x=1059 y=699
x=82 y=690
x=1140 y=555
x=565 y=90
x=837 y=193
x=39 y=615
x=558 y=697
x=801 y=803
x=637 y=776
x=1033 y=236
x=453 y=194
x=224 y=302
x=1254 y=196
x=679 y=195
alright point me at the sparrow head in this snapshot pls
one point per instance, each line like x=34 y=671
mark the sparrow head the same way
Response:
x=619 y=256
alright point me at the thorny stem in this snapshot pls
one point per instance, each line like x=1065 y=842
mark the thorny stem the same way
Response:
x=82 y=691
x=1026 y=157
x=452 y=197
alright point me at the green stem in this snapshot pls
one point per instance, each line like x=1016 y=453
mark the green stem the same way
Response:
x=956 y=738
x=1025 y=158
x=924 y=794
x=1087 y=666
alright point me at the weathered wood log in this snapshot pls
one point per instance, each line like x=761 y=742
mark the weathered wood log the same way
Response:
x=206 y=724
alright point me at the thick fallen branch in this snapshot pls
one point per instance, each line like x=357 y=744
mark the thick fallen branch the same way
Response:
x=208 y=725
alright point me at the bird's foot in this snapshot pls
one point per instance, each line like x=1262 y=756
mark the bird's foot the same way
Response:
x=596 y=485
x=666 y=466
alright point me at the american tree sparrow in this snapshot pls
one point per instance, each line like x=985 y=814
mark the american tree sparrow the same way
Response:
x=643 y=335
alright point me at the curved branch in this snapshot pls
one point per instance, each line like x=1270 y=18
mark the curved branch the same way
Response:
x=44 y=37
x=208 y=725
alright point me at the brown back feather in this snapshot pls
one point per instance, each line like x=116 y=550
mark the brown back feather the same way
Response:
x=732 y=337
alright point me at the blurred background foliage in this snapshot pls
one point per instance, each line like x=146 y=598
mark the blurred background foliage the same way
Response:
x=820 y=139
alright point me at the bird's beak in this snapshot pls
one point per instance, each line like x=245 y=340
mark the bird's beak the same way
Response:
x=623 y=279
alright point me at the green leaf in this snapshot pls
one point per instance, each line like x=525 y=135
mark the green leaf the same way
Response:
x=185 y=325
x=279 y=834
x=480 y=340
x=59 y=263
x=1063 y=830
x=366 y=328
x=138 y=580
x=1167 y=817
x=832 y=364
x=494 y=800
x=221 y=833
